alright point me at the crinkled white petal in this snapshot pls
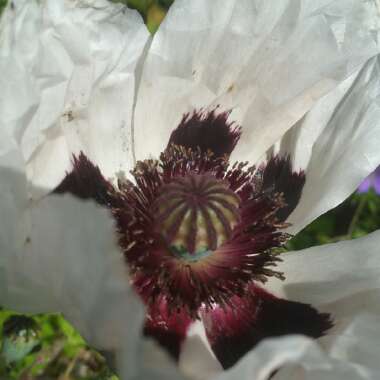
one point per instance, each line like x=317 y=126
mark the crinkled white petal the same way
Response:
x=342 y=279
x=68 y=83
x=60 y=254
x=268 y=61
x=336 y=144
x=300 y=358
x=353 y=355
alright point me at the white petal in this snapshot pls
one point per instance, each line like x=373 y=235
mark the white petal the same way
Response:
x=152 y=363
x=196 y=359
x=68 y=83
x=60 y=255
x=353 y=356
x=298 y=358
x=269 y=61
x=358 y=341
x=337 y=144
x=342 y=278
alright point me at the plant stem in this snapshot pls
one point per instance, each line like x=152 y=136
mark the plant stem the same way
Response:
x=355 y=218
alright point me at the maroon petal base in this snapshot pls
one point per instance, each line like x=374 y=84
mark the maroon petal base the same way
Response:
x=277 y=176
x=233 y=331
x=86 y=182
x=167 y=328
x=207 y=131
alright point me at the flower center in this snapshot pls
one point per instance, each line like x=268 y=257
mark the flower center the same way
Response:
x=195 y=214
x=195 y=230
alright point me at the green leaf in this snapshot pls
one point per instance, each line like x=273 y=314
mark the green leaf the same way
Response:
x=20 y=337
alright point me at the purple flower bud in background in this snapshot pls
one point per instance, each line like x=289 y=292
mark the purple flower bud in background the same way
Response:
x=372 y=181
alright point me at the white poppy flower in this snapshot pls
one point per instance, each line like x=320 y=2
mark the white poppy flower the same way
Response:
x=292 y=87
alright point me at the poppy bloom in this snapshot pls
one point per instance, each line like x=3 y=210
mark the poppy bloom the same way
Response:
x=292 y=89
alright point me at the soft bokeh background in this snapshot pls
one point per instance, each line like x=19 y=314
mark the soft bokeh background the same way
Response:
x=47 y=347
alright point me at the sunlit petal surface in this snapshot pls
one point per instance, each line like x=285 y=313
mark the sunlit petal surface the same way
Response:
x=336 y=144
x=269 y=62
x=73 y=83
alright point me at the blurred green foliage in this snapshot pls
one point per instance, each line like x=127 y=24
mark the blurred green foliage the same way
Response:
x=3 y=3
x=47 y=347
x=60 y=352
x=355 y=217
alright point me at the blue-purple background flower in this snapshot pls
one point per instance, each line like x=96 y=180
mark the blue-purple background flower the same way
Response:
x=371 y=182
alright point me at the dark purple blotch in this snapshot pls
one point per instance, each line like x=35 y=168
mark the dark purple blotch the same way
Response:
x=166 y=327
x=234 y=331
x=207 y=131
x=278 y=177
x=86 y=181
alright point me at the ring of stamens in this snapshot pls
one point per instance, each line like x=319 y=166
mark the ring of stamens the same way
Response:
x=196 y=232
